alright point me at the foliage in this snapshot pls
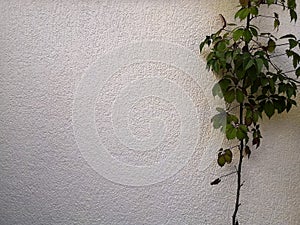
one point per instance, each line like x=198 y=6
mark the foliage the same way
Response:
x=243 y=57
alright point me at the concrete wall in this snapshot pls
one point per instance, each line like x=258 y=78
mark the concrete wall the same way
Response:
x=105 y=119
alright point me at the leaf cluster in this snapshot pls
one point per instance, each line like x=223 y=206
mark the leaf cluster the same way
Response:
x=242 y=56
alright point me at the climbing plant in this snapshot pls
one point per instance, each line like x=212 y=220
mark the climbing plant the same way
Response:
x=250 y=81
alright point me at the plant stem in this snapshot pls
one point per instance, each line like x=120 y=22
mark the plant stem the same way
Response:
x=226 y=175
x=272 y=17
x=239 y=173
x=279 y=4
x=239 y=170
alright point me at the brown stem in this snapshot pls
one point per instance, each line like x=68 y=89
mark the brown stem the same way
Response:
x=239 y=170
x=283 y=74
x=239 y=173
x=271 y=17
x=279 y=4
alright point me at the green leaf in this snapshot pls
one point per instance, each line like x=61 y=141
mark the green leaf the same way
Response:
x=256 y=141
x=255 y=116
x=216 y=66
x=220 y=110
x=293 y=15
x=266 y=89
x=266 y=63
x=229 y=96
x=248 y=117
x=281 y=87
x=242 y=13
x=253 y=10
x=296 y=59
x=249 y=64
x=221 y=46
x=228 y=158
x=288 y=105
x=255 y=86
x=254 y=31
x=230 y=132
x=247 y=151
x=240 y=73
x=276 y=23
x=293 y=43
x=288 y=36
x=291 y=4
x=289 y=53
x=290 y=91
x=221 y=160
x=228 y=152
x=279 y=104
x=272 y=86
x=219 y=120
x=269 y=2
x=293 y=102
x=237 y=34
x=259 y=64
x=217 y=90
x=264 y=81
x=271 y=46
x=239 y=96
x=237 y=14
x=269 y=109
x=241 y=132
x=261 y=97
x=202 y=44
x=243 y=128
x=232 y=118
x=298 y=72
x=216 y=181
x=224 y=84
x=247 y=35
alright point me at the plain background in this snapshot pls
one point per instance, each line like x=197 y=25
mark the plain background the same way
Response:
x=45 y=49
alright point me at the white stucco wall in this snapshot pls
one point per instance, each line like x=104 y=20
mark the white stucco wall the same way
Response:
x=105 y=110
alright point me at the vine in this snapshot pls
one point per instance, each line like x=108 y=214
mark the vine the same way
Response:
x=242 y=56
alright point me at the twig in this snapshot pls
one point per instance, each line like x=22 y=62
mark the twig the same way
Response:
x=266 y=16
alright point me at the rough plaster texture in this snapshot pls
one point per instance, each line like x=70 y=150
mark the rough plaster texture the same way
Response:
x=52 y=50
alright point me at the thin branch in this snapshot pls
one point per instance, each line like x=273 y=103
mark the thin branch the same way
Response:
x=273 y=17
x=234 y=146
x=258 y=44
x=282 y=44
x=230 y=109
x=239 y=173
x=291 y=79
x=278 y=4
x=239 y=170
x=291 y=71
x=274 y=56
x=283 y=74
x=226 y=175
x=263 y=36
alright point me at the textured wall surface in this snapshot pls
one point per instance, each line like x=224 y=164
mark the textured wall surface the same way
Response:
x=105 y=119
